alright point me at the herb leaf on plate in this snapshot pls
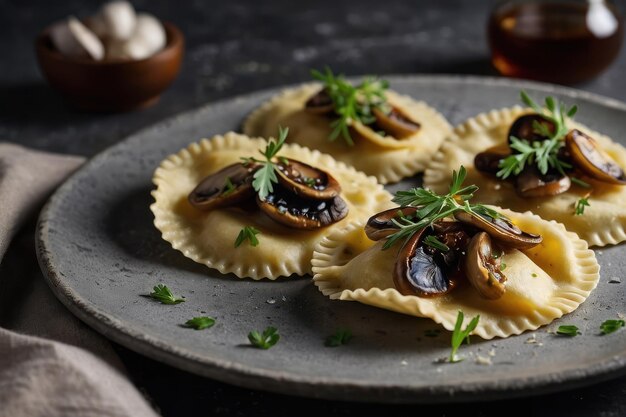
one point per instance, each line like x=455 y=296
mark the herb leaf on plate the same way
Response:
x=164 y=295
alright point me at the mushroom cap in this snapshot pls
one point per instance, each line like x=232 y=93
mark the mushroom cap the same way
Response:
x=591 y=160
x=500 y=229
x=524 y=128
x=212 y=192
x=320 y=103
x=532 y=183
x=489 y=160
x=295 y=211
x=380 y=225
x=306 y=180
x=396 y=122
x=482 y=269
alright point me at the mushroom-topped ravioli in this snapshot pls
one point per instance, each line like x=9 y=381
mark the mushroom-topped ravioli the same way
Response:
x=582 y=183
x=382 y=133
x=516 y=270
x=206 y=228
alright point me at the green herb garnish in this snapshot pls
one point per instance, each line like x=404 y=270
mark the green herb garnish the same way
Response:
x=579 y=208
x=433 y=242
x=433 y=207
x=264 y=340
x=580 y=182
x=568 y=330
x=164 y=295
x=265 y=176
x=200 y=323
x=228 y=188
x=458 y=335
x=341 y=337
x=247 y=233
x=352 y=103
x=611 y=326
x=544 y=154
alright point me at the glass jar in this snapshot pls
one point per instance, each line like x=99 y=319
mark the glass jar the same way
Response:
x=557 y=41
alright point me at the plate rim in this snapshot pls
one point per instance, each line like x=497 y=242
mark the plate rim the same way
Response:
x=314 y=387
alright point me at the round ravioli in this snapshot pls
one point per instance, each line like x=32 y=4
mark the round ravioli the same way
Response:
x=602 y=223
x=386 y=158
x=208 y=237
x=544 y=282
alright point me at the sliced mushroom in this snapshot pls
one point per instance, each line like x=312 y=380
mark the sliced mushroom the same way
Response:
x=380 y=225
x=226 y=187
x=524 y=128
x=482 y=269
x=307 y=181
x=532 y=183
x=489 y=161
x=320 y=103
x=396 y=123
x=294 y=211
x=590 y=159
x=500 y=229
x=421 y=271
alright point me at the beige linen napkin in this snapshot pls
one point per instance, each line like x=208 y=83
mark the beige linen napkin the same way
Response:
x=40 y=377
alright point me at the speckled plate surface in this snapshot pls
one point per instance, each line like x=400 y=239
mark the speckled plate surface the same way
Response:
x=101 y=254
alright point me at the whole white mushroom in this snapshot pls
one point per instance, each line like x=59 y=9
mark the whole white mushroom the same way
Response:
x=75 y=40
x=148 y=38
x=116 y=20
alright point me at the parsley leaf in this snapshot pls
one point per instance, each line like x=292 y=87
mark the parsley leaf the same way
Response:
x=352 y=103
x=568 y=330
x=341 y=337
x=579 y=209
x=247 y=233
x=200 y=323
x=433 y=207
x=458 y=335
x=164 y=295
x=265 y=176
x=264 y=340
x=544 y=154
x=611 y=326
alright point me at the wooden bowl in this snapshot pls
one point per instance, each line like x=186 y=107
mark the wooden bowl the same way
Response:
x=111 y=85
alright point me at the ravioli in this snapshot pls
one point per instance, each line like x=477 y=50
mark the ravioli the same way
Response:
x=386 y=158
x=603 y=222
x=208 y=237
x=544 y=282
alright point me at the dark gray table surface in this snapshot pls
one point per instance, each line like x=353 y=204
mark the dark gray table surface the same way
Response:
x=235 y=47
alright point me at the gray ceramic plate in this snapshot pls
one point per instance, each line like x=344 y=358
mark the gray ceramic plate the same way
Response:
x=101 y=254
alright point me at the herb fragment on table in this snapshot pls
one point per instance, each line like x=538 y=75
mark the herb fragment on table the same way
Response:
x=433 y=207
x=264 y=340
x=265 y=177
x=164 y=295
x=352 y=103
x=579 y=209
x=458 y=335
x=341 y=337
x=247 y=233
x=610 y=326
x=200 y=323
x=544 y=154
x=568 y=330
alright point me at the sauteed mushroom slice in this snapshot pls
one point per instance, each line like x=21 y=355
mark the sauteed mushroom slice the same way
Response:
x=307 y=181
x=420 y=271
x=380 y=225
x=482 y=268
x=489 y=161
x=532 y=183
x=524 y=128
x=228 y=186
x=320 y=103
x=294 y=211
x=395 y=122
x=590 y=159
x=500 y=229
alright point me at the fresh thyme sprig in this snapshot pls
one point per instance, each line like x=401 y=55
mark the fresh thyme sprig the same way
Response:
x=265 y=176
x=544 y=154
x=352 y=103
x=433 y=207
x=459 y=335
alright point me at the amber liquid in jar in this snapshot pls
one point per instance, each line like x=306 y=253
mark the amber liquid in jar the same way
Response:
x=555 y=41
